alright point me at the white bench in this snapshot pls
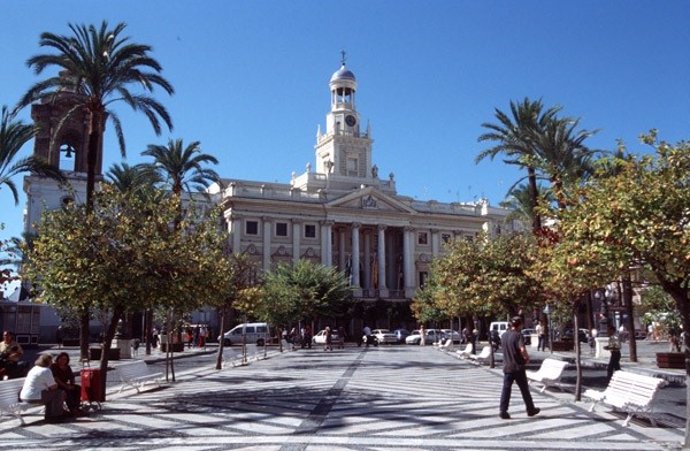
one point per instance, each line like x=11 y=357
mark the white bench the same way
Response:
x=464 y=353
x=137 y=374
x=446 y=346
x=629 y=392
x=483 y=356
x=9 y=399
x=549 y=373
x=237 y=358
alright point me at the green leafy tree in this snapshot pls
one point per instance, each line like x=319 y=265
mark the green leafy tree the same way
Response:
x=305 y=290
x=13 y=135
x=641 y=215
x=486 y=277
x=115 y=260
x=100 y=67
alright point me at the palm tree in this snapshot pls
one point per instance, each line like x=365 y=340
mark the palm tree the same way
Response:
x=514 y=138
x=13 y=135
x=99 y=66
x=126 y=178
x=182 y=167
x=563 y=157
x=521 y=204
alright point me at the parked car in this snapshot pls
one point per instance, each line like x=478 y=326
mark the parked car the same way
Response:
x=415 y=338
x=527 y=335
x=452 y=334
x=401 y=334
x=320 y=337
x=384 y=336
x=583 y=335
x=253 y=333
x=499 y=326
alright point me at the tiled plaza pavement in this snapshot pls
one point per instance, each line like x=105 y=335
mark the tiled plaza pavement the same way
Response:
x=386 y=398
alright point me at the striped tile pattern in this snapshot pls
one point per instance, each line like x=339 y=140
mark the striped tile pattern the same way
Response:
x=386 y=398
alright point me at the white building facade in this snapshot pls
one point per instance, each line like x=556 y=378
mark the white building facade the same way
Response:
x=339 y=212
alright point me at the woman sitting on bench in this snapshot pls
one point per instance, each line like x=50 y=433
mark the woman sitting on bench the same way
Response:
x=40 y=388
x=64 y=377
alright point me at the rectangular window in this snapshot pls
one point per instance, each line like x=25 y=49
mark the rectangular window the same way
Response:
x=251 y=227
x=281 y=229
x=309 y=231
x=422 y=238
x=423 y=278
x=445 y=237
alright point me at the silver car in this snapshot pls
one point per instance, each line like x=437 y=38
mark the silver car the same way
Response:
x=431 y=335
x=384 y=336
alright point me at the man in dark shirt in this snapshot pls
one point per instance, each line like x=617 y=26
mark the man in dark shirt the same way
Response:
x=514 y=360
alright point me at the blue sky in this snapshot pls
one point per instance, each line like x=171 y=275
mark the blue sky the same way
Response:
x=251 y=78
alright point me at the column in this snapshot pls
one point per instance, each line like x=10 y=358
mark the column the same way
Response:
x=408 y=261
x=296 y=236
x=236 y=235
x=266 y=244
x=341 y=249
x=326 y=243
x=381 y=253
x=367 y=259
x=355 y=255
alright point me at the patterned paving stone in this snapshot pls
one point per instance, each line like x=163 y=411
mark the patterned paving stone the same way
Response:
x=386 y=398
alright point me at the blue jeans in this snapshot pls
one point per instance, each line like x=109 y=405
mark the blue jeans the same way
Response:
x=520 y=377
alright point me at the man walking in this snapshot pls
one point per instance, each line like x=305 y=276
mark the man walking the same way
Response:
x=514 y=360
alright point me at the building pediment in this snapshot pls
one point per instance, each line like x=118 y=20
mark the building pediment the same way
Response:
x=370 y=198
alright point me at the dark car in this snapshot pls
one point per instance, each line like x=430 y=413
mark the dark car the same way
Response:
x=401 y=334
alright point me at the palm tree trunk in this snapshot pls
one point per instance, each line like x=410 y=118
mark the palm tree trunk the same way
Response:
x=534 y=195
x=91 y=156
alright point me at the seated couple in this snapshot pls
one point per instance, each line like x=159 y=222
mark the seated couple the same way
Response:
x=52 y=384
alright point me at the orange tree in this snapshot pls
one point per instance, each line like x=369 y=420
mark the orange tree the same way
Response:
x=124 y=255
x=640 y=214
x=486 y=277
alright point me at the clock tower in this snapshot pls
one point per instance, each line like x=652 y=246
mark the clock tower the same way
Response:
x=344 y=151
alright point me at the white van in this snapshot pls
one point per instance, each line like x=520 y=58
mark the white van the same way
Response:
x=255 y=333
x=500 y=326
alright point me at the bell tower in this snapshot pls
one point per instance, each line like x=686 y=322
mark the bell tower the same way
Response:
x=344 y=150
x=62 y=139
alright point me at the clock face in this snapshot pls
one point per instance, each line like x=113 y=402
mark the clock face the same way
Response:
x=350 y=120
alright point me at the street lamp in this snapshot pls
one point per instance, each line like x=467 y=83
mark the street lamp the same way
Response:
x=603 y=312
x=547 y=312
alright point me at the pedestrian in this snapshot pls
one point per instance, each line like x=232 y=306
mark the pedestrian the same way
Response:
x=341 y=337
x=329 y=339
x=203 y=333
x=593 y=340
x=541 y=334
x=515 y=358
x=366 y=335
x=307 y=336
x=614 y=347
x=422 y=334
x=59 y=336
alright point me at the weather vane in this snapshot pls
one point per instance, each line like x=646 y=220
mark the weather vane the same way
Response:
x=342 y=57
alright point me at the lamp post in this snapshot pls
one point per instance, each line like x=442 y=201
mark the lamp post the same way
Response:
x=603 y=312
x=547 y=312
